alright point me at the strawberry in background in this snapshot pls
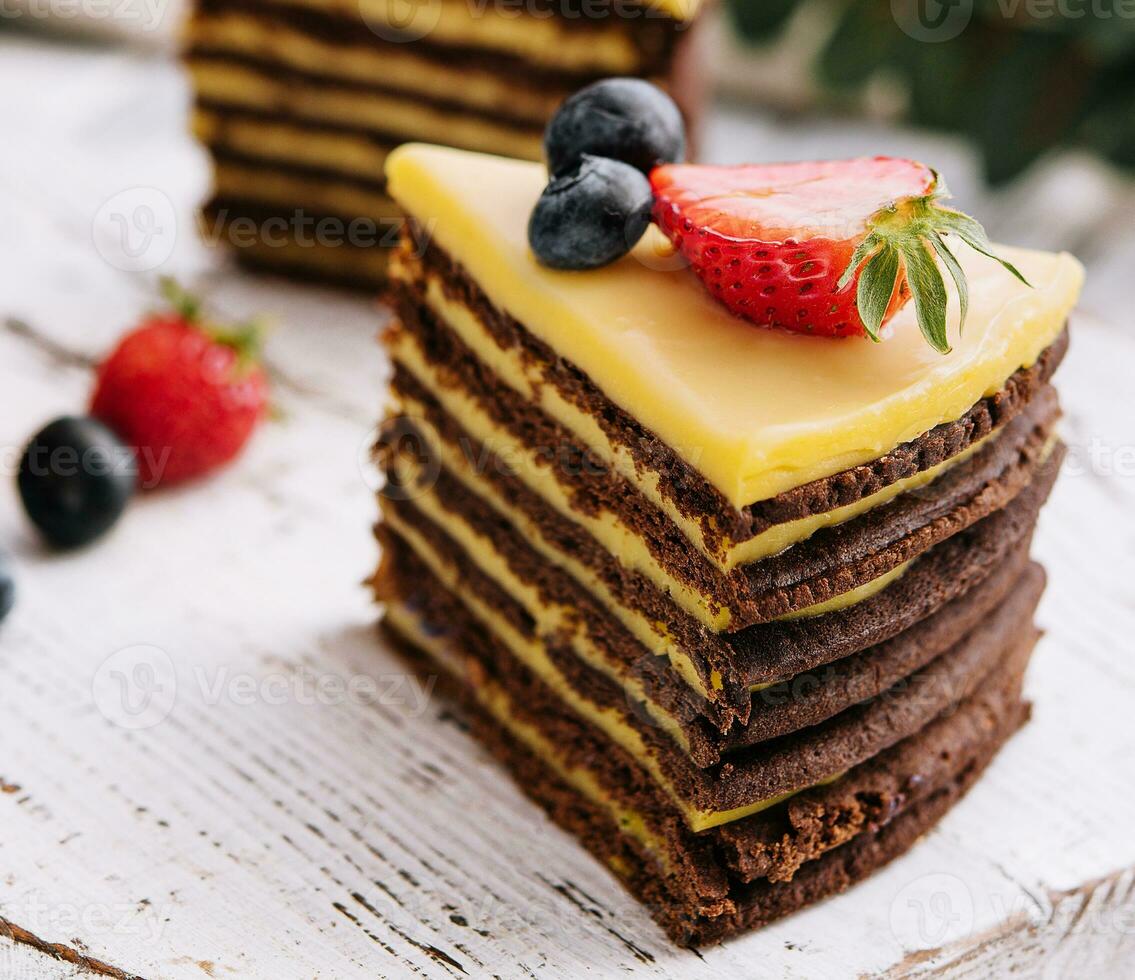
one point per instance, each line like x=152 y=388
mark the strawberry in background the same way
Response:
x=177 y=398
x=184 y=392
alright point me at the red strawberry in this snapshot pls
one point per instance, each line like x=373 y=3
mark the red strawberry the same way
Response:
x=833 y=248
x=183 y=393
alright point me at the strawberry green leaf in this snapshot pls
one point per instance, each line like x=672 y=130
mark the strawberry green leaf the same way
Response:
x=184 y=303
x=876 y=286
x=864 y=249
x=969 y=230
x=956 y=273
x=928 y=291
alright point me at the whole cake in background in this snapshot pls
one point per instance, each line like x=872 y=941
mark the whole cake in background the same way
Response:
x=724 y=543
x=299 y=103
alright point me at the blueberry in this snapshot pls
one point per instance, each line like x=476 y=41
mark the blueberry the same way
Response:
x=7 y=588
x=622 y=118
x=75 y=479
x=590 y=216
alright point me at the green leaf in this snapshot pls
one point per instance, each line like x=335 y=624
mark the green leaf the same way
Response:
x=956 y=273
x=928 y=290
x=862 y=252
x=183 y=302
x=969 y=230
x=876 y=286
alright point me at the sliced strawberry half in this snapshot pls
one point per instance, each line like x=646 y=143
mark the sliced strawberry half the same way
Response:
x=833 y=248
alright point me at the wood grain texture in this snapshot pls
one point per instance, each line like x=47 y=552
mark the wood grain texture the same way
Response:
x=210 y=768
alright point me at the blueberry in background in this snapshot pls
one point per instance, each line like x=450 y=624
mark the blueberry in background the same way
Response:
x=624 y=119
x=7 y=588
x=75 y=480
x=590 y=216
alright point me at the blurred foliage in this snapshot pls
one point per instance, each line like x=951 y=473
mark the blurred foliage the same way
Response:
x=1022 y=77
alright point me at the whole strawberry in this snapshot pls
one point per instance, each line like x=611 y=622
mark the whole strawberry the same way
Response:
x=185 y=394
x=832 y=248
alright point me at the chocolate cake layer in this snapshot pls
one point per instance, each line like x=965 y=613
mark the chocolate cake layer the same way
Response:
x=310 y=176
x=753 y=777
x=269 y=88
x=679 y=484
x=317 y=46
x=564 y=40
x=773 y=652
x=710 y=876
x=833 y=561
x=270 y=140
x=526 y=125
x=300 y=101
x=814 y=696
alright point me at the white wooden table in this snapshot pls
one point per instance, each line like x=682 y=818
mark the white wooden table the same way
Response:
x=209 y=765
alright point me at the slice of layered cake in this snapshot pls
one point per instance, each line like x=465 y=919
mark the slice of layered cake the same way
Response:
x=300 y=101
x=745 y=609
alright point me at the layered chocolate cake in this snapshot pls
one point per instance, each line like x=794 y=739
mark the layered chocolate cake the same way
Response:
x=300 y=101
x=745 y=610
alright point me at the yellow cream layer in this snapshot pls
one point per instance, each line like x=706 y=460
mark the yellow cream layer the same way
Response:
x=608 y=720
x=756 y=411
x=391 y=66
x=342 y=262
x=510 y=367
x=225 y=83
x=290 y=191
x=501 y=26
x=288 y=143
x=498 y=703
x=624 y=544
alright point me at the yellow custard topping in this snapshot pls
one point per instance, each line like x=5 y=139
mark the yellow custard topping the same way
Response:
x=756 y=411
